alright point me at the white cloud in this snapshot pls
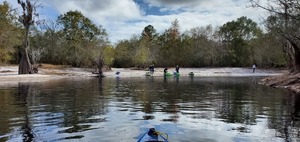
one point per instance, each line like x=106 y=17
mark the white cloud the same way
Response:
x=174 y=3
x=113 y=15
x=111 y=9
x=123 y=18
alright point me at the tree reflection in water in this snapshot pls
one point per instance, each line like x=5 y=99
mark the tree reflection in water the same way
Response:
x=290 y=126
x=24 y=96
x=106 y=108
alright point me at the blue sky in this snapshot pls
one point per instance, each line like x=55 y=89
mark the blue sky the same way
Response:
x=124 y=18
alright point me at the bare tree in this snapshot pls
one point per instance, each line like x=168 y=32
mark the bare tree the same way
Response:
x=36 y=55
x=286 y=14
x=27 y=20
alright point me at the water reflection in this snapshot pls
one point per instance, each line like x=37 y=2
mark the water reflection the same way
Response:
x=121 y=109
x=24 y=96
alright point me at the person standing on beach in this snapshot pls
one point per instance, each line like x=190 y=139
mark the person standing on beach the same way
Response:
x=253 y=68
x=177 y=69
x=165 y=71
x=151 y=69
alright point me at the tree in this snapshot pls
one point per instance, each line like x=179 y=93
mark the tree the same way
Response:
x=175 y=38
x=148 y=45
x=27 y=20
x=97 y=51
x=48 y=42
x=148 y=33
x=98 y=46
x=8 y=33
x=82 y=38
x=109 y=56
x=36 y=51
x=124 y=52
x=170 y=45
x=286 y=22
x=237 y=34
x=260 y=51
x=199 y=47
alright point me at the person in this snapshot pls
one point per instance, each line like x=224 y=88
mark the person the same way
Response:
x=253 y=68
x=165 y=71
x=151 y=69
x=177 y=69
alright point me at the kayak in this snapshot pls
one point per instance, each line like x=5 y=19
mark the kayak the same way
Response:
x=148 y=74
x=153 y=136
x=168 y=74
x=176 y=74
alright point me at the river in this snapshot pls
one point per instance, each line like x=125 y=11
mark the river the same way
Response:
x=188 y=109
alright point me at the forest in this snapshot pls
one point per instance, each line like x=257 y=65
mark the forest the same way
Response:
x=75 y=40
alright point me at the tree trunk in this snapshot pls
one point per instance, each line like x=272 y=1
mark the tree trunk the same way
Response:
x=25 y=65
x=297 y=60
x=27 y=21
x=289 y=55
x=100 y=65
x=295 y=54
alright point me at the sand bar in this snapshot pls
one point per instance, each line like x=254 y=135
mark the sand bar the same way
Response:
x=9 y=74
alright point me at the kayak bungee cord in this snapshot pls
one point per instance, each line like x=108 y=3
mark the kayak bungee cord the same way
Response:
x=164 y=135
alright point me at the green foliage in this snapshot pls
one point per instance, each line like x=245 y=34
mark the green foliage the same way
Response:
x=169 y=46
x=124 y=54
x=71 y=40
x=77 y=27
x=237 y=43
x=148 y=33
x=200 y=46
x=9 y=33
x=109 y=55
x=83 y=40
x=75 y=40
x=243 y=28
x=236 y=35
x=50 y=42
x=284 y=23
x=260 y=51
x=141 y=57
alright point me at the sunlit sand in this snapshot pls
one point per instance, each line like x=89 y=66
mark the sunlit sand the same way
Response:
x=9 y=74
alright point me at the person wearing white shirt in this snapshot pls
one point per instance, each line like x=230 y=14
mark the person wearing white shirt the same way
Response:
x=253 y=67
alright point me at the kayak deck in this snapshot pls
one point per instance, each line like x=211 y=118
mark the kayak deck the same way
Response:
x=153 y=136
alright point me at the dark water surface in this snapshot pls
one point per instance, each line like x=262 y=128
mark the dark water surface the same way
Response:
x=122 y=109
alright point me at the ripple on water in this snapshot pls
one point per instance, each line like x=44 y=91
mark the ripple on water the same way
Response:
x=70 y=138
x=40 y=119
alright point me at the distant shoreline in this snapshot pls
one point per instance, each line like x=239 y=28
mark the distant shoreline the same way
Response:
x=9 y=74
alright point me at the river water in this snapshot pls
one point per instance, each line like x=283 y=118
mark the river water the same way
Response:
x=188 y=109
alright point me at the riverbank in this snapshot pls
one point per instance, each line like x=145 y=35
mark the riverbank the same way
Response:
x=288 y=81
x=9 y=74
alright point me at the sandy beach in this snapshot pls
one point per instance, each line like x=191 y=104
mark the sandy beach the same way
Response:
x=9 y=74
